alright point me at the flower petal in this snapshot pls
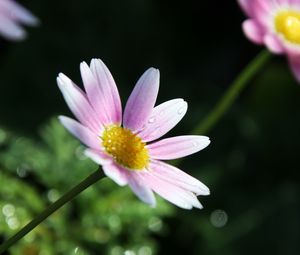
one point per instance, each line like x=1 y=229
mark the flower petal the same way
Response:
x=116 y=173
x=102 y=91
x=263 y=11
x=274 y=44
x=177 y=177
x=253 y=31
x=246 y=6
x=174 y=194
x=78 y=103
x=177 y=147
x=295 y=66
x=95 y=95
x=142 y=100
x=11 y=30
x=18 y=13
x=163 y=118
x=140 y=188
x=98 y=157
x=84 y=134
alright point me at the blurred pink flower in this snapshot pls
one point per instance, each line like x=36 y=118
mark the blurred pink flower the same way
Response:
x=275 y=23
x=12 y=15
x=127 y=152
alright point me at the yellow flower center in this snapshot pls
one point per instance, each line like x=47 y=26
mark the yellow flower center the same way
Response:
x=126 y=148
x=288 y=24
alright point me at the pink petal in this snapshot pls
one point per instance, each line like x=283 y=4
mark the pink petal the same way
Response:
x=274 y=44
x=291 y=50
x=11 y=30
x=177 y=147
x=295 y=3
x=163 y=118
x=174 y=194
x=263 y=11
x=102 y=91
x=142 y=100
x=179 y=178
x=78 y=103
x=140 y=188
x=84 y=134
x=95 y=95
x=98 y=157
x=253 y=31
x=295 y=66
x=116 y=173
x=15 y=11
x=246 y=6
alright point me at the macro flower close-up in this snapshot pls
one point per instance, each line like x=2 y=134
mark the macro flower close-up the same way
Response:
x=126 y=147
x=12 y=16
x=276 y=24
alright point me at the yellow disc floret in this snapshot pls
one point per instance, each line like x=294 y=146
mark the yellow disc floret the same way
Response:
x=125 y=147
x=288 y=24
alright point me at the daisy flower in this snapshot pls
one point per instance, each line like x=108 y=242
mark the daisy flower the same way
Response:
x=276 y=24
x=12 y=15
x=126 y=146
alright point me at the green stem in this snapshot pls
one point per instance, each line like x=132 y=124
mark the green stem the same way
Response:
x=232 y=93
x=94 y=177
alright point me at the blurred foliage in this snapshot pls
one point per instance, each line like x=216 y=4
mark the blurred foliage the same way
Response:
x=104 y=219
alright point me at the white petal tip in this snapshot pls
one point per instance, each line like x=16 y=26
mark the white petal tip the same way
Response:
x=61 y=118
x=83 y=64
x=198 y=206
x=95 y=61
x=153 y=72
x=204 y=191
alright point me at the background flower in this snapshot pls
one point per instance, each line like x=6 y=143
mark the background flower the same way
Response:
x=12 y=16
x=275 y=23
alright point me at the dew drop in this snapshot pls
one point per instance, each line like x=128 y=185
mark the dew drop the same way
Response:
x=181 y=110
x=161 y=113
x=195 y=144
x=151 y=120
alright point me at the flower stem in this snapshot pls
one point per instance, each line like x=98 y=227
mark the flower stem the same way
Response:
x=232 y=93
x=91 y=179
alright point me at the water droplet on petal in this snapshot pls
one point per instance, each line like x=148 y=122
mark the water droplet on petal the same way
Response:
x=195 y=144
x=181 y=110
x=161 y=113
x=151 y=120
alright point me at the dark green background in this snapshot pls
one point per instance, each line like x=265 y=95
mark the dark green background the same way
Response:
x=252 y=163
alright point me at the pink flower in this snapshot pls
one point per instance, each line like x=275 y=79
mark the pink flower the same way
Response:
x=275 y=23
x=12 y=15
x=127 y=152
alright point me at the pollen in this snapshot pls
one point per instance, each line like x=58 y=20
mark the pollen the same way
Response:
x=125 y=147
x=287 y=23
